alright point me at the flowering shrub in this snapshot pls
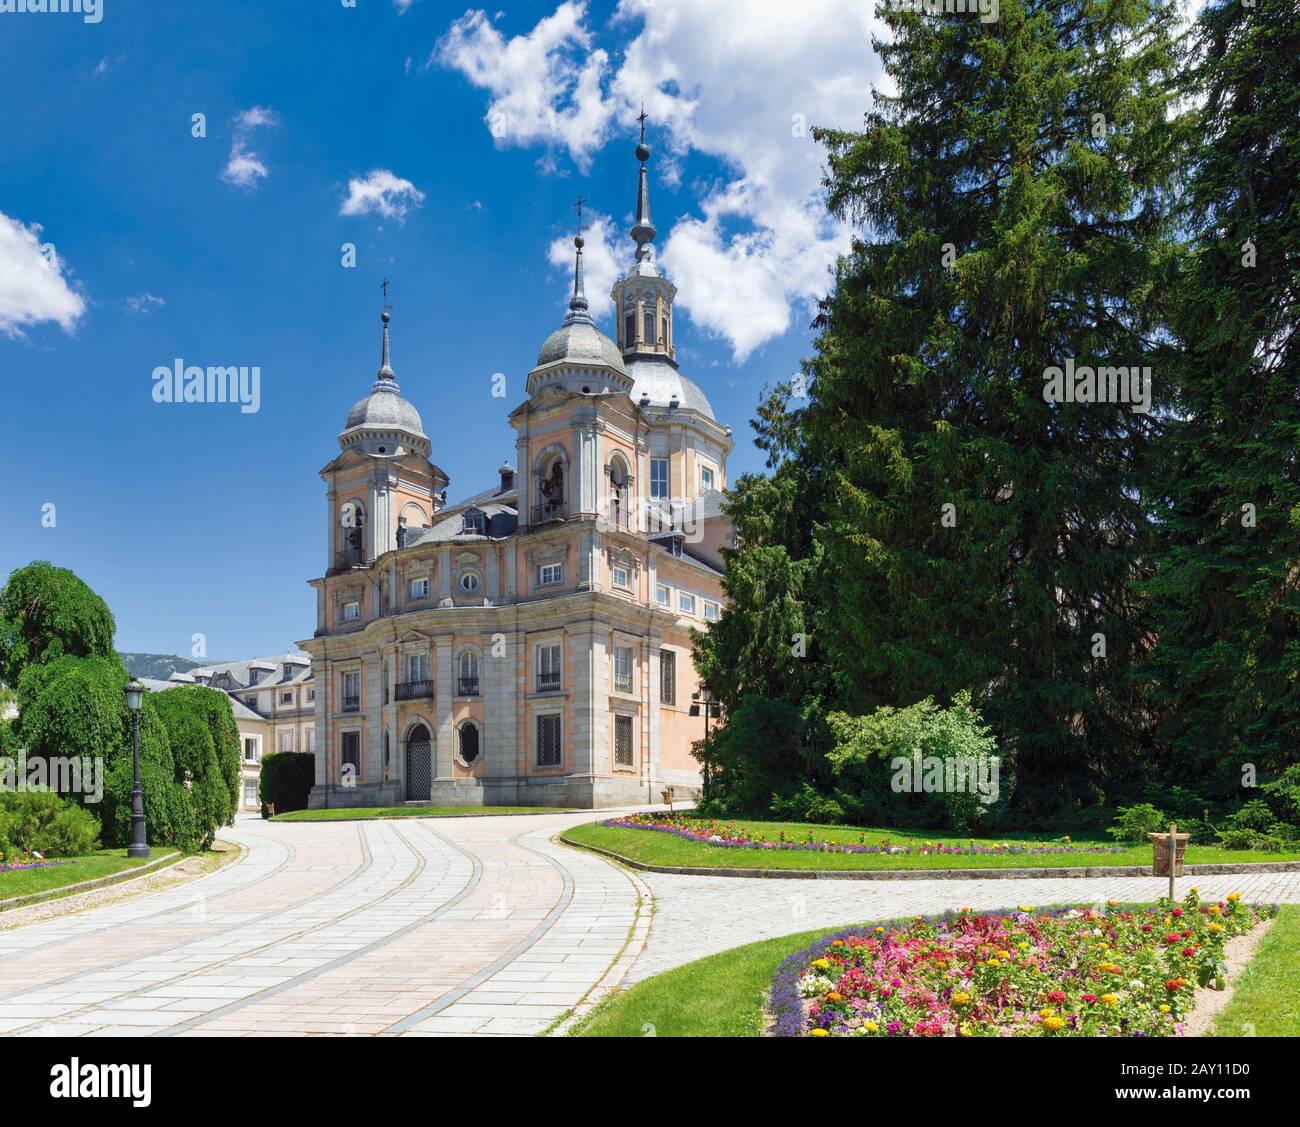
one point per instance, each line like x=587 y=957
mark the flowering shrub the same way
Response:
x=1064 y=972
x=729 y=834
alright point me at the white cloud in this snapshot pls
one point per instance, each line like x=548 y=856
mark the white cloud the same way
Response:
x=245 y=168
x=32 y=286
x=403 y=6
x=735 y=80
x=545 y=87
x=143 y=303
x=600 y=267
x=383 y=192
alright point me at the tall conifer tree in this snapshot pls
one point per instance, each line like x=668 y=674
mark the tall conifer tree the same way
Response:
x=1227 y=591
x=1012 y=191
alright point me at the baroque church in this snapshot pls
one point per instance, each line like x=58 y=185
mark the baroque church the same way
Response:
x=530 y=645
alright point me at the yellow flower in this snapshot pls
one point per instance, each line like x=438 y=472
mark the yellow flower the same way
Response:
x=821 y=964
x=1109 y=1000
x=820 y=1033
x=1216 y=928
x=1044 y=1014
x=1004 y=954
x=1023 y=908
x=1215 y=910
x=835 y=996
x=880 y=929
x=1066 y=837
x=870 y=1026
x=960 y=998
x=1053 y=1023
x=1234 y=896
x=992 y=963
x=1111 y=903
x=838 y=943
x=1164 y=1009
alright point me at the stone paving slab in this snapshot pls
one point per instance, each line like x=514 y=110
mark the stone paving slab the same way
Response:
x=438 y=927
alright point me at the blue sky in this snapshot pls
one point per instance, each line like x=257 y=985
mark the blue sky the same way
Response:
x=227 y=250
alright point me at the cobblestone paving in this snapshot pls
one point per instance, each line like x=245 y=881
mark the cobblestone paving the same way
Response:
x=436 y=927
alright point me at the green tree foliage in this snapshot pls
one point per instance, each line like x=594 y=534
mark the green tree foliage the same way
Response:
x=1227 y=589
x=46 y=611
x=286 y=780
x=978 y=535
x=39 y=820
x=71 y=704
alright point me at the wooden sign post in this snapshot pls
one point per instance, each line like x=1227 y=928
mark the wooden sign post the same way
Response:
x=1168 y=855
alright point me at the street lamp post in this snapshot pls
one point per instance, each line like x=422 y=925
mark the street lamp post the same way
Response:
x=139 y=846
x=705 y=702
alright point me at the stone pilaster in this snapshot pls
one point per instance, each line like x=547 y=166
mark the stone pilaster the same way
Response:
x=444 y=687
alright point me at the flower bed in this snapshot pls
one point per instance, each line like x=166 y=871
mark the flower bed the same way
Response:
x=1027 y=972
x=730 y=835
x=19 y=861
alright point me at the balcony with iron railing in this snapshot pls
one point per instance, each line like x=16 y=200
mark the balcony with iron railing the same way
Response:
x=549 y=510
x=414 y=690
x=548 y=682
x=352 y=704
x=350 y=557
x=467 y=687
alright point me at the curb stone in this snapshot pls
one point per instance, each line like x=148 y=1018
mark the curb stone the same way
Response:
x=89 y=885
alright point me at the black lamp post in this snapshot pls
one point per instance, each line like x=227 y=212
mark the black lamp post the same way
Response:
x=139 y=847
x=705 y=702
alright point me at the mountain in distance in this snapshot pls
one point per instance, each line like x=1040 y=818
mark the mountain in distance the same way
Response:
x=158 y=666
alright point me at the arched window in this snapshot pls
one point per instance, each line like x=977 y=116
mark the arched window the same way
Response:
x=352 y=546
x=469 y=582
x=618 y=480
x=550 y=489
x=468 y=680
x=629 y=330
x=650 y=326
x=468 y=748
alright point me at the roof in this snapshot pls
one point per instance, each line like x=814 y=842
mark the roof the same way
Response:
x=502 y=521
x=580 y=342
x=240 y=710
x=662 y=382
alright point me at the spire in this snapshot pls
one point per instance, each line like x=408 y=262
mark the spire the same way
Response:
x=385 y=379
x=578 y=307
x=643 y=231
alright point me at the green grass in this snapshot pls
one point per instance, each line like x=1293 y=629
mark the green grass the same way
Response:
x=361 y=813
x=652 y=848
x=1265 y=996
x=719 y=996
x=103 y=863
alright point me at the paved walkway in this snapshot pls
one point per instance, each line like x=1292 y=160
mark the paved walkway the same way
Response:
x=434 y=927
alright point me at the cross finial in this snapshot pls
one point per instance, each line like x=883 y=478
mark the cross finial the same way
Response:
x=642 y=120
x=578 y=203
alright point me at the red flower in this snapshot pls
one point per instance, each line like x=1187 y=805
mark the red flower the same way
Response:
x=1171 y=939
x=1177 y=912
x=1188 y=952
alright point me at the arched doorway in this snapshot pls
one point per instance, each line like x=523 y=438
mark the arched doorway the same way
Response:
x=419 y=764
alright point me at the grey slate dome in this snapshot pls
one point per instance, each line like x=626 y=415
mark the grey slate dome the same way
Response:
x=580 y=342
x=662 y=383
x=385 y=408
x=383 y=422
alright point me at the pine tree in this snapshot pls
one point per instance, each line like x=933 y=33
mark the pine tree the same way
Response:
x=1013 y=195
x=1227 y=591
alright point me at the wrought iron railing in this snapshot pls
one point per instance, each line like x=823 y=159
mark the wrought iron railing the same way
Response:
x=414 y=690
x=467 y=687
x=549 y=510
x=548 y=682
x=352 y=704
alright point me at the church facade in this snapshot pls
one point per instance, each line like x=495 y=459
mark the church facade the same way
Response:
x=531 y=644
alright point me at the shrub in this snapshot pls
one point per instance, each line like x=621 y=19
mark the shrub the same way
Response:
x=1133 y=823
x=46 y=612
x=873 y=759
x=1283 y=794
x=1255 y=827
x=41 y=820
x=287 y=779
x=763 y=750
x=192 y=722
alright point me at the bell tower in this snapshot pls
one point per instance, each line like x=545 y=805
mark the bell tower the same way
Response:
x=643 y=298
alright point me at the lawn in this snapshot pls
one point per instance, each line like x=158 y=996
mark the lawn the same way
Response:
x=1264 y=1000
x=361 y=813
x=649 y=847
x=720 y=996
x=724 y=995
x=73 y=870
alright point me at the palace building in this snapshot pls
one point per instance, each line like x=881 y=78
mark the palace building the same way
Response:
x=530 y=645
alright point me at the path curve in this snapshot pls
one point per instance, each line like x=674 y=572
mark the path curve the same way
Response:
x=437 y=927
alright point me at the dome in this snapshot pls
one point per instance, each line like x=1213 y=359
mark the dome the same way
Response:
x=580 y=342
x=385 y=409
x=662 y=382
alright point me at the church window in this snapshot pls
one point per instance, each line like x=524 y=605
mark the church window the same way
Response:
x=548 y=740
x=623 y=669
x=629 y=330
x=623 y=755
x=649 y=325
x=549 y=574
x=350 y=756
x=659 y=479
x=469 y=582
x=667 y=676
x=468 y=743
x=548 y=668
